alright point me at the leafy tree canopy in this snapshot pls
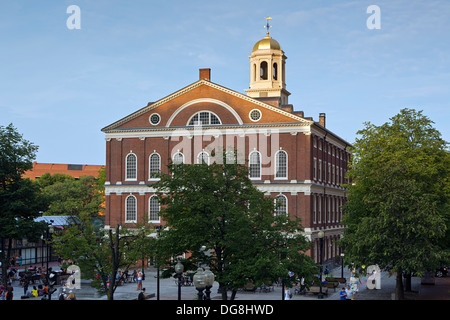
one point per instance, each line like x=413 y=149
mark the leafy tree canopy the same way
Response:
x=216 y=215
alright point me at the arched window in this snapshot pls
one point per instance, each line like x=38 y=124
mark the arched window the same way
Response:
x=280 y=205
x=204 y=118
x=131 y=167
x=130 y=209
x=203 y=158
x=154 y=166
x=153 y=209
x=254 y=72
x=275 y=71
x=178 y=158
x=255 y=165
x=281 y=164
x=263 y=71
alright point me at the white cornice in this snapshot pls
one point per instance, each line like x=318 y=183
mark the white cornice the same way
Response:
x=293 y=188
x=291 y=128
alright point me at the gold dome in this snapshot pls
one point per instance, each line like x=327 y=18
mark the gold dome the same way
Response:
x=267 y=43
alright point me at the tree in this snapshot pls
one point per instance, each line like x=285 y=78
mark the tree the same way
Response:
x=19 y=198
x=398 y=197
x=69 y=196
x=215 y=215
x=101 y=253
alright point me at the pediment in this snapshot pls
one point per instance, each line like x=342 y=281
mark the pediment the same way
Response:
x=233 y=108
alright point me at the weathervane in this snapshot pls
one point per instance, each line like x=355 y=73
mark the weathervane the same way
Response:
x=268 y=26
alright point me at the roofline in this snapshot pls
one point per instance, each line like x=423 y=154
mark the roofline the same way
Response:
x=328 y=132
x=192 y=86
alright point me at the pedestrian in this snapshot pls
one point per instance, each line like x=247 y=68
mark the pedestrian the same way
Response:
x=9 y=292
x=71 y=296
x=350 y=293
x=287 y=294
x=343 y=294
x=34 y=292
x=142 y=295
x=139 y=281
x=63 y=295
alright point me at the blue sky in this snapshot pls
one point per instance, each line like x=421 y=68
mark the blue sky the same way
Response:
x=60 y=87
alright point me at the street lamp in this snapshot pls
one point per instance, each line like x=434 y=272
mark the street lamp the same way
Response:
x=200 y=282
x=158 y=231
x=179 y=268
x=320 y=235
x=209 y=281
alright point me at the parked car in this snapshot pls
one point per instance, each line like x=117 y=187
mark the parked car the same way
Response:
x=442 y=271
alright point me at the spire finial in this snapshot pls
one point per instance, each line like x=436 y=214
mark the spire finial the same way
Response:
x=268 y=26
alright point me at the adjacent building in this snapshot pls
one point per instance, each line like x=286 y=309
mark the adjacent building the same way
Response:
x=74 y=170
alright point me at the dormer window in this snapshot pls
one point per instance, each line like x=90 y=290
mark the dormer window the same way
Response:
x=204 y=118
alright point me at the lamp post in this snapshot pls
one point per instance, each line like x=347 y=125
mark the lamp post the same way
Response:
x=158 y=231
x=179 y=268
x=320 y=235
x=209 y=281
x=200 y=282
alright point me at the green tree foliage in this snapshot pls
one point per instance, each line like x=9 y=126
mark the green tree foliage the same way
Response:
x=19 y=198
x=101 y=253
x=216 y=215
x=66 y=195
x=397 y=207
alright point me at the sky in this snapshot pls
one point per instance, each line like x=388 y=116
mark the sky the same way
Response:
x=59 y=85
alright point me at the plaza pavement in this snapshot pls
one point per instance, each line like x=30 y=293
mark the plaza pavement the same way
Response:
x=169 y=290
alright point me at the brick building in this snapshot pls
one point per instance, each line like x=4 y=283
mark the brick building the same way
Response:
x=74 y=170
x=291 y=158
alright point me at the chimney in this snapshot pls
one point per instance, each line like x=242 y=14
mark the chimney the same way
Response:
x=322 y=119
x=205 y=74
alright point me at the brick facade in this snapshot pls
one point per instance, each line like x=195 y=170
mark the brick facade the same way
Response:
x=258 y=127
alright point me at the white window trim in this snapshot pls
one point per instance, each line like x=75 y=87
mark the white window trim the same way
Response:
x=275 y=203
x=210 y=113
x=159 y=210
x=250 y=117
x=198 y=155
x=154 y=124
x=149 y=166
x=249 y=163
x=126 y=207
x=276 y=165
x=182 y=155
x=126 y=167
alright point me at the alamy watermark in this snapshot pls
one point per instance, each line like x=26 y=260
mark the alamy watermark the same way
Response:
x=374 y=20
x=74 y=20
x=209 y=144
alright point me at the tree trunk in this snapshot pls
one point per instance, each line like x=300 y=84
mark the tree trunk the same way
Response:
x=233 y=294
x=223 y=291
x=399 y=294
x=408 y=282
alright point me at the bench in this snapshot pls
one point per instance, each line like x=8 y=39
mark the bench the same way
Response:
x=316 y=290
x=331 y=285
x=340 y=280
